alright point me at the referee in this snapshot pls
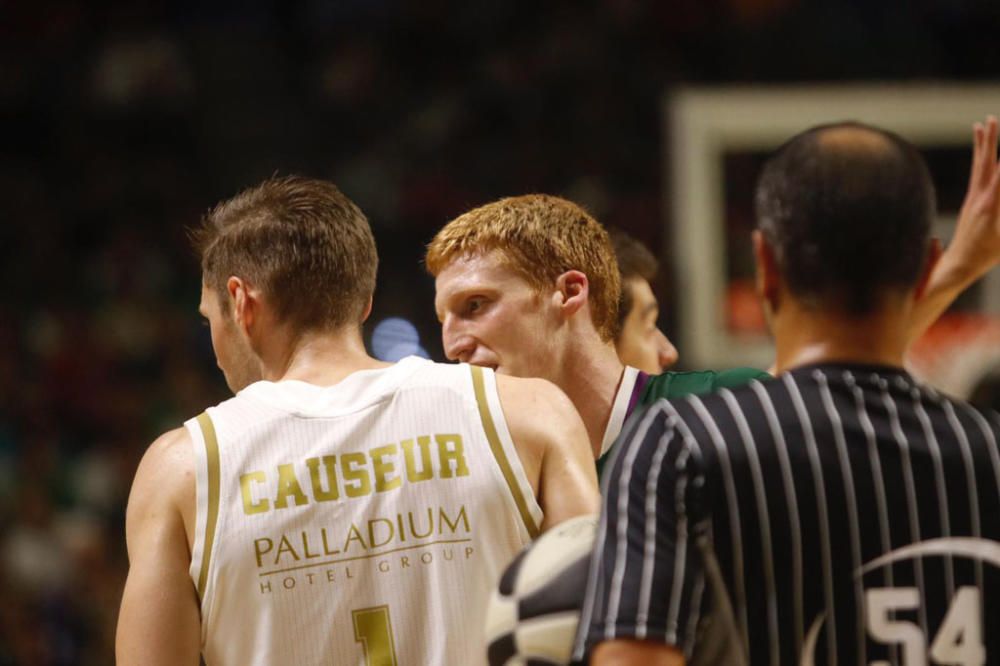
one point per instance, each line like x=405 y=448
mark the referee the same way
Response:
x=841 y=513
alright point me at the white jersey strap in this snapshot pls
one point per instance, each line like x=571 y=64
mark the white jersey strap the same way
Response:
x=502 y=446
x=206 y=450
x=619 y=408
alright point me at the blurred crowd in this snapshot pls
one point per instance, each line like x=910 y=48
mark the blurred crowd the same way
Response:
x=124 y=121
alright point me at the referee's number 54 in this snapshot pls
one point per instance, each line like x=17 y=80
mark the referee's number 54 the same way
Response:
x=958 y=642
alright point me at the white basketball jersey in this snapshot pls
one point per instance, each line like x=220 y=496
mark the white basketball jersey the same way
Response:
x=364 y=523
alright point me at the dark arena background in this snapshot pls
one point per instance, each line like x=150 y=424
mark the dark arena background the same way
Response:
x=123 y=122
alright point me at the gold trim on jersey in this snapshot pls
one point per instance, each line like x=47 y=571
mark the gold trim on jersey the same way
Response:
x=212 y=518
x=489 y=427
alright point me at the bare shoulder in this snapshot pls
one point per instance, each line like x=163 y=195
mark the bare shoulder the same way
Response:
x=538 y=411
x=553 y=445
x=532 y=396
x=169 y=459
x=173 y=445
x=165 y=480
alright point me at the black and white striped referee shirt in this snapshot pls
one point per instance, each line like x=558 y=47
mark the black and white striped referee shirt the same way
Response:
x=839 y=514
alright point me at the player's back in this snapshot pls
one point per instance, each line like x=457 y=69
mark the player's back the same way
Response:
x=363 y=523
x=855 y=516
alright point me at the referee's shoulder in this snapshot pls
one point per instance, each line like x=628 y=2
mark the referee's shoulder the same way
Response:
x=718 y=416
x=985 y=418
x=668 y=430
x=748 y=393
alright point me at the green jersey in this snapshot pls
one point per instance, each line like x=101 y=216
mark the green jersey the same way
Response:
x=638 y=389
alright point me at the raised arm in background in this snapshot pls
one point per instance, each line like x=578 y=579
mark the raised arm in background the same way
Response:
x=975 y=246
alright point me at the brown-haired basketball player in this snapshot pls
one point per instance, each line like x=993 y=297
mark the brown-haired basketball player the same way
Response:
x=338 y=509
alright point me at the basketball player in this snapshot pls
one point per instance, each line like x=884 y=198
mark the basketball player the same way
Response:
x=528 y=286
x=338 y=509
x=842 y=513
x=639 y=341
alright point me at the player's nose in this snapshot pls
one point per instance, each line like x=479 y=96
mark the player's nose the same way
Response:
x=666 y=353
x=458 y=346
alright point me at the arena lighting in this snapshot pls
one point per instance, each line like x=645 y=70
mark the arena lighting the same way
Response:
x=395 y=338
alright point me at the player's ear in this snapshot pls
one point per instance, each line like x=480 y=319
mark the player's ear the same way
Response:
x=933 y=255
x=768 y=277
x=368 y=310
x=572 y=292
x=245 y=302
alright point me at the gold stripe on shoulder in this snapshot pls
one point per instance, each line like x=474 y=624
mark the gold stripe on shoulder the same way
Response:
x=212 y=457
x=489 y=427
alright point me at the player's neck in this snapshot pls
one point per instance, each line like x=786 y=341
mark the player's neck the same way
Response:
x=590 y=375
x=805 y=337
x=323 y=359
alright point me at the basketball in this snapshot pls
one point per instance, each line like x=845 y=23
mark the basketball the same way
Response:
x=533 y=614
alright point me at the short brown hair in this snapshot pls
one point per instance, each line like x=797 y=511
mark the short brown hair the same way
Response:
x=301 y=241
x=634 y=261
x=541 y=237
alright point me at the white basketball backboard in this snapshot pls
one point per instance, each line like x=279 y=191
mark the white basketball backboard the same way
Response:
x=704 y=124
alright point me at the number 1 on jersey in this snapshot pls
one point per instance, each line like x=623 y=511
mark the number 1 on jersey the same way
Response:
x=373 y=630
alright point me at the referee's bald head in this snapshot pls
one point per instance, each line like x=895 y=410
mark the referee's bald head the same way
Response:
x=847 y=210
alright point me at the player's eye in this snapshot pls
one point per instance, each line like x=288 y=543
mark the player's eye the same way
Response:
x=474 y=305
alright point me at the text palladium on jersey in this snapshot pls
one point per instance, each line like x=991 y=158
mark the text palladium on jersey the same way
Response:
x=365 y=538
x=355 y=474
